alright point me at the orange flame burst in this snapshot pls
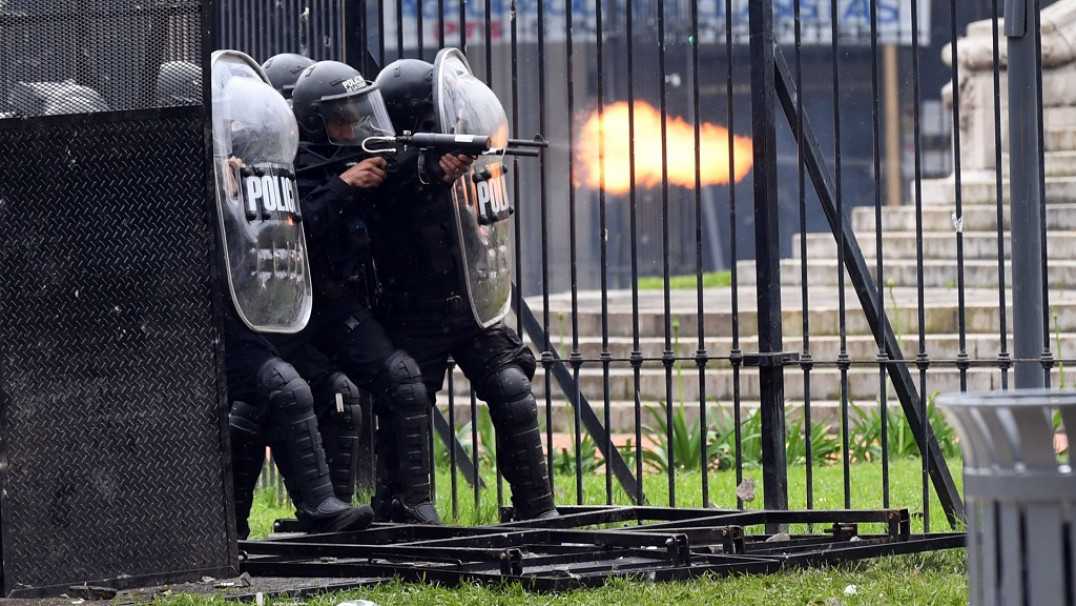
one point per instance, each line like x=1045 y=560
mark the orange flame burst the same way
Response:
x=604 y=150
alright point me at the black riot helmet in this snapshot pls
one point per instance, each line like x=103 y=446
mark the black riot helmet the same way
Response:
x=407 y=88
x=333 y=103
x=179 y=83
x=284 y=69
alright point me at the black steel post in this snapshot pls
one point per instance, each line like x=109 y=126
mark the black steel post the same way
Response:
x=768 y=257
x=356 y=41
x=1025 y=193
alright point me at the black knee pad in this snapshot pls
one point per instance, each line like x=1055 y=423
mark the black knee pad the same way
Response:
x=343 y=401
x=340 y=384
x=400 y=385
x=508 y=394
x=283 y=390
x=246 y=420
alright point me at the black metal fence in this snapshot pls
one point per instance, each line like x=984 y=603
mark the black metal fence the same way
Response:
x=815 y=150
x=810 y=148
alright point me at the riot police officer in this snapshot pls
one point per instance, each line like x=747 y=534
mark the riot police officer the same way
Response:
x=336 y=399
x=283 y=70
x=424 y=301
x=268 y=280
x=336 y=110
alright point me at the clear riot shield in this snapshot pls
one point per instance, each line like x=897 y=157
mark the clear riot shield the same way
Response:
x=255 y=138
x=465 y=105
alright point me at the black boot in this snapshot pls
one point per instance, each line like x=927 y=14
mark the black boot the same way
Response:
x=297 y=450
x=420 y=513
x=388 y=501
x=404 y=441
x=248 y=458
x=520 y=458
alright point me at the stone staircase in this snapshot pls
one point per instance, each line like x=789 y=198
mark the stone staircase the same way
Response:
x=974 y=329
x=981 y=319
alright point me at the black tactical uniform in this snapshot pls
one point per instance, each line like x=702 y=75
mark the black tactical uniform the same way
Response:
x=336 y=399
x=423 y=301
x=271 y=403
x=343 y=326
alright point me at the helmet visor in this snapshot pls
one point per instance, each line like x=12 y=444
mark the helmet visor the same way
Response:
x=351 y=118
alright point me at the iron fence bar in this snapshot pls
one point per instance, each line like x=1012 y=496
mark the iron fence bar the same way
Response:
x=881 y=356
x=863 y=284
x=575 y=357
x=833 y=554
x=452 y=478
x=554 y=369
x=420 y=33
x=958 y=193
x=553 y=581
x=1028 y=249
x=572 y=516
x=736 y=354
x=537 y=536
x=313 y=549
x=547 y=358
x=413 y=534
x=701 y=356
x=603 y=247
x=633 y=222
x=356 y=43
x=1004 y=359
x=450 y=427
x=440 y=22
x=667 y=353
x=400 y=28
x=489 y=43
x=517 y=294
x=1048 y=361
x=591 y=562
x=806 y=364
x=463 y=28
x=767 y=255
x=366 y=472
x=475 y=438
x=839 y=231
x=898 y=520
x=1047 y=357
x=381 y=46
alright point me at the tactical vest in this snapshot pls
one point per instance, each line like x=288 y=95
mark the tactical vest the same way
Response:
x=415 y=245
x=339 y=257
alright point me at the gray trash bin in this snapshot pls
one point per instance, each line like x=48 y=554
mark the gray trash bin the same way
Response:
x=1018 y=494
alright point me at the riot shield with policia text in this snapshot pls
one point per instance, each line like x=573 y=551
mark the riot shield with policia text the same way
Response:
x=255 y=138
x=465 y=106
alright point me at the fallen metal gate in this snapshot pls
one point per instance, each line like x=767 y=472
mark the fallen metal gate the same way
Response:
x=587 y=547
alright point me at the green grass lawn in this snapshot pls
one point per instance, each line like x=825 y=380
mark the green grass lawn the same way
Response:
x=925 y=578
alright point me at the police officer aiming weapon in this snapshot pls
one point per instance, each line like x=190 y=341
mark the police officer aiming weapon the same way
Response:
x=436 y=144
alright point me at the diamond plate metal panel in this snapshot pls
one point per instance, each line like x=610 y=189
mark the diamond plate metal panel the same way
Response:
x=111 y=430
